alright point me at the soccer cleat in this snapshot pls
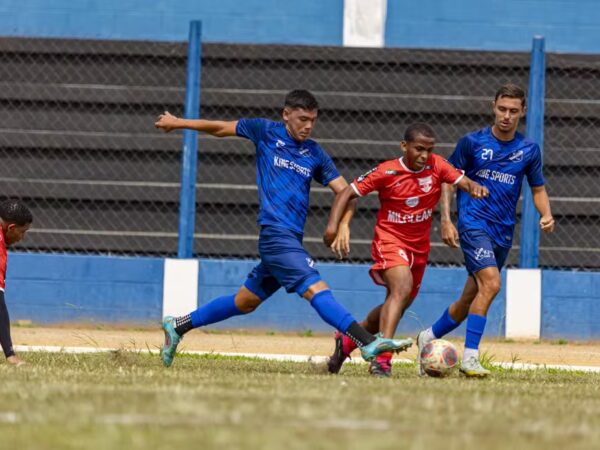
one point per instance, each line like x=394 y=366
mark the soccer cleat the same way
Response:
x=382 y=345
x=340 y=354
x=171 y=341
x=381 y=366
x=420 y=344
x=472 y=368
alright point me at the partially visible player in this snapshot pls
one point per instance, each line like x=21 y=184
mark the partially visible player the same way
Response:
x=15 y=220
x=498 y=157
x=286 y=163
x=409 y=189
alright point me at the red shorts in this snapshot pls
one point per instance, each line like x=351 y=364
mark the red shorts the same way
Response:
x=388 y=254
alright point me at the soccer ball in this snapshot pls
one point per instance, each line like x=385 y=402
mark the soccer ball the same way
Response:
x=438 y=358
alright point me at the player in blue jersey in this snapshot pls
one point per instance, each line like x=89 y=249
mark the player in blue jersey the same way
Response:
x=286 y=163
x=497 y=157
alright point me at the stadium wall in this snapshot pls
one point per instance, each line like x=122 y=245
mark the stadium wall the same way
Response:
x=569 y=26
x=50 y=289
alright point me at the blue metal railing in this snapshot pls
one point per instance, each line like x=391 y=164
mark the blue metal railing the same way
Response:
x=187 y=195
x=530 y=230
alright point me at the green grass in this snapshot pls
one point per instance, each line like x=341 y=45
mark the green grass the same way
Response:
x=127 y=400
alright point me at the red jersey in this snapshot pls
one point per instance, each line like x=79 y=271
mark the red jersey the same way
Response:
x=3 y=260
x=407 y=198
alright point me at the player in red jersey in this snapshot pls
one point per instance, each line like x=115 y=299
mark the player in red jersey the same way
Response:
x=409 y=189
x=15 y=220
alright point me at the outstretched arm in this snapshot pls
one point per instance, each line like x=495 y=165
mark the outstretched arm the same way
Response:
x=339 y=239
x=218 y=128
x=542 y=204
x=475 y=190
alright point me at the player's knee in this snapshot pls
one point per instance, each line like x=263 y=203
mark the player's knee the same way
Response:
x=247 y=302
x=490 y=287
x=401 y=295
x=314 y=289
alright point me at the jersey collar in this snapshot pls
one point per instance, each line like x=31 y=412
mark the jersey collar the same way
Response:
x=401 y=160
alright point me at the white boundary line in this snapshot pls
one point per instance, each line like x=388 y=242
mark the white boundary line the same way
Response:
x=293 y=358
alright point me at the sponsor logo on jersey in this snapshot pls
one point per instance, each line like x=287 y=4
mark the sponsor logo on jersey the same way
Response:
x=365 y=175
x=310 y=262
x=412 y=202
x=494 y=175
x=291 y=165
x=487 y=154
x=516 y=156
x=392 y=172
x=425 y=183
x=397 y=217
x=482 y=253
x=279 y=143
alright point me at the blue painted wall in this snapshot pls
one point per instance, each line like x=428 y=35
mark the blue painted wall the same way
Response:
x=65 y=288
x=570 y=305
x=568 y=25
x=100 y=289
x=314 y=22
x=352 y=287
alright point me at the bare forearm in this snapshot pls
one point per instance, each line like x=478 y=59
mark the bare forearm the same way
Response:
x=340 y=208
x=541 y=201
x=216 y=128
x=348 y=212
x=448 y=191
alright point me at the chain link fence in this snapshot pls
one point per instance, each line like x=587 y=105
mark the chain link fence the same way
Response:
x=78 y=143
x=572 y=160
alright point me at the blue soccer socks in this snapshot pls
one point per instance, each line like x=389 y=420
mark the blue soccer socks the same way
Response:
x=331 y=311
x=444 y=325
x=219 y=309
x=475 y=328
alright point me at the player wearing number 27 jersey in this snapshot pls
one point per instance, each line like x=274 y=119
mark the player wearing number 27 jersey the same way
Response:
x=498 y=157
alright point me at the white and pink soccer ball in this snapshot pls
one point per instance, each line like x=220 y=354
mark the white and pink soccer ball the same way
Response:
x=438 y=358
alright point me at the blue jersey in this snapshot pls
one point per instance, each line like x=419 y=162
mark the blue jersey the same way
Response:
x=284 y=170
x=500 y=166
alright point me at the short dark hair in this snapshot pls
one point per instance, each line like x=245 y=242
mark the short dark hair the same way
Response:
x=418 y=129
x=511 y=91
x=15 y=211
x=301 y=98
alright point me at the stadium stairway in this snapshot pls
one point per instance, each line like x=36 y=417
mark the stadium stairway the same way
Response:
x=77 y=137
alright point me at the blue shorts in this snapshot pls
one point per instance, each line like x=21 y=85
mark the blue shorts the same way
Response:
x=481 y=251
x=284 y=262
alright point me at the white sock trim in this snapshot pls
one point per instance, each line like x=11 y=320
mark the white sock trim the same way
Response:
x=469 y=353
x=428 y=335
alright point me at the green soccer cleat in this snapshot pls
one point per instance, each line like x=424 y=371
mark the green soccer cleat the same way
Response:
x=382 y=345
x=171 y=341
x=472 y=368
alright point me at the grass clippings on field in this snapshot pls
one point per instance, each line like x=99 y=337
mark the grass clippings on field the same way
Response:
x=127 y=400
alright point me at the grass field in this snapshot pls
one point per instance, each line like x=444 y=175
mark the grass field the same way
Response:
x=127 y=400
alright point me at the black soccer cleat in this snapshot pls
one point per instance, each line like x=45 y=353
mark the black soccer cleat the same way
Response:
x=336 y=361
x=381 y=367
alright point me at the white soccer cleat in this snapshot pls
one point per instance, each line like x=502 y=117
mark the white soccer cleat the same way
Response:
x=472 y=368
x=420 y=344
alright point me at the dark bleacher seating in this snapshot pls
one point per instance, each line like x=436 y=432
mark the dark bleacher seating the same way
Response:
x=77 y=138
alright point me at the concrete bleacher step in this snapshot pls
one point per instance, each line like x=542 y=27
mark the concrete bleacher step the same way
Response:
x=77 y=131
